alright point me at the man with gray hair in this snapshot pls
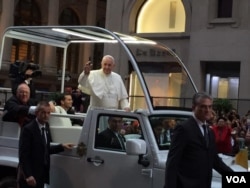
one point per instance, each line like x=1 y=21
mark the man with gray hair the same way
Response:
x=192 y=154
x=105 y=87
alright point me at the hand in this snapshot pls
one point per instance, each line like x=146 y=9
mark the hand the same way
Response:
x=52 y=106
x=122 y=132
x=29 y=72
x=127 y=109
x=68 y=146
x=28 y=76
x=87 y=67
x=31 y=181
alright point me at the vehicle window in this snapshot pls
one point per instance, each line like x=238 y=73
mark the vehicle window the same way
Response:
x=113 y=131
x=163 y=127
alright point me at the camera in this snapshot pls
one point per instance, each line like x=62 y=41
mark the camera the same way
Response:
x=18 y=69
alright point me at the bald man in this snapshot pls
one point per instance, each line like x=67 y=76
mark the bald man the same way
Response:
x=20 y=107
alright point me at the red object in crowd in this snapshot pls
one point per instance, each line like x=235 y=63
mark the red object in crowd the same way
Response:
x=223 y=139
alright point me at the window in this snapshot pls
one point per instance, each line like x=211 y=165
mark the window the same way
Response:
x=166 y=16
x=223 y=11
x=69 y=17
x=26 y=13
x=113 y=131
x=222 y=79
x=163 y=126
x=225 y=8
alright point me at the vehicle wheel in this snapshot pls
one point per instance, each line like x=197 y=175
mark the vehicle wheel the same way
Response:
x=8 y=182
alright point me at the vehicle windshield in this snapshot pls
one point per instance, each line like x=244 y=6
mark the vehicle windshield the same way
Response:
x=166 y=79
x=163 y=126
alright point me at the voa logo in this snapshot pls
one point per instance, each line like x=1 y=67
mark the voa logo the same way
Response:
x=236 y=179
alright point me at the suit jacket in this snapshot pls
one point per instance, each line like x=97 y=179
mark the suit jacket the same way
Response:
x=108 y=139
x=32 y=153
x=15 y=111
x=190 y=161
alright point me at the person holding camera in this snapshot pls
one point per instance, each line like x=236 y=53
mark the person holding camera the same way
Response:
x=26 y=78
x=23 y=72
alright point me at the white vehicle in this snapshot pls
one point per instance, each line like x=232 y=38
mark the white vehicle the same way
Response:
x=160 y=93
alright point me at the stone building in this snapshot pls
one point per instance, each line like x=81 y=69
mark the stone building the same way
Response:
x=210 y=36
x=55 y=12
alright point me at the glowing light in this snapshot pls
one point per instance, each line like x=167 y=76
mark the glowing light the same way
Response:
x=161 y=17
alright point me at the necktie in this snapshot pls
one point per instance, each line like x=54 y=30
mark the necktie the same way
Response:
x=46 y=154
x=121 y=141
x=205 y=135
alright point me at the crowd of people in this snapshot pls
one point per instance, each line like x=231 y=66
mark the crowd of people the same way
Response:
x=232 y=131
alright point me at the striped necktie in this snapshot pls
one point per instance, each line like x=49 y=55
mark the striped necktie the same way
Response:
x=121 y=140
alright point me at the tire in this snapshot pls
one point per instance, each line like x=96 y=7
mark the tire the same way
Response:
x=8 y=182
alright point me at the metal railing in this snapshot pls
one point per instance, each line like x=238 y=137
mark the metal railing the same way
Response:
x=241 y=105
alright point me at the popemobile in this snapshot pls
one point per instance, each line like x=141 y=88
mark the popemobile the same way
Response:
x=161 y=93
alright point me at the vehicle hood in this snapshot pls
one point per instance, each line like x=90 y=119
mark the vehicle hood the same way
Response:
x=229 y=160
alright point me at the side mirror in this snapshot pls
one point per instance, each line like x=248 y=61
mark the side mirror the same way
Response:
x=136 y=147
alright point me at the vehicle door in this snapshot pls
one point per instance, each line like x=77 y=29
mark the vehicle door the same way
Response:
x=110 y=166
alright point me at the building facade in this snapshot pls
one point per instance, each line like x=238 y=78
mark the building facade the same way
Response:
x=210 y=36
x=56 y=12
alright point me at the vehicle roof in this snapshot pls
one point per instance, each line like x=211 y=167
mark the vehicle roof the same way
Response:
x=61 y=36
x=142 y=54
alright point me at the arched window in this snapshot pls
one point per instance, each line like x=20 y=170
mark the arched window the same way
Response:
x=69 y=17
x=26 y=13
x=166 y=16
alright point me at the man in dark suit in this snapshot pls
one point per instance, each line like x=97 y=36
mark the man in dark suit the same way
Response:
x=192 y=154
x=168 y=127
x=111 y=137
x=19 y=108
x=34 y=150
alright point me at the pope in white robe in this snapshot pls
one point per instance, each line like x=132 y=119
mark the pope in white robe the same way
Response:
x=106 y=88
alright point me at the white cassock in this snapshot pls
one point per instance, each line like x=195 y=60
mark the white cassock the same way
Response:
x=106 y=91
x=60 y=121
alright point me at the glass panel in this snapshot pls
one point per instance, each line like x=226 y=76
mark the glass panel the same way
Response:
x=113 y=132
x=223 y=88
x=225 y=8
x=163 y=126
x=165 y=77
